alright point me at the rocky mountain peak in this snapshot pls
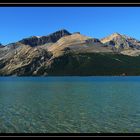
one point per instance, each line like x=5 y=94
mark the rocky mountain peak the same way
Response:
x=63 y=31
x=116 y=34
x=41 y=40
x=1 y=46
x=121 y=41
x=111 y=37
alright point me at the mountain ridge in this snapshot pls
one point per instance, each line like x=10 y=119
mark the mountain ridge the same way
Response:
x=65 y=53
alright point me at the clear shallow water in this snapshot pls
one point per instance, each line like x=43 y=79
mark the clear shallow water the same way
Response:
x=70 y=105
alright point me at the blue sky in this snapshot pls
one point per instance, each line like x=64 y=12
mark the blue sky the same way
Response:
x=20 y=22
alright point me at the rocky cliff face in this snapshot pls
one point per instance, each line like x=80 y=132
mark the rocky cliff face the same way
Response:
x=1 y=46
x=52 y=38
x=25 y=61
x=63 y=53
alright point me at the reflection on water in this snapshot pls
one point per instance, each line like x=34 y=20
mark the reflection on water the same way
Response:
x=69 y=105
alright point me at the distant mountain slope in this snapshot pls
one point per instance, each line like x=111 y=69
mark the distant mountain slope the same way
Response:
x=25 y=61
x=119 y=43
x=79 y=43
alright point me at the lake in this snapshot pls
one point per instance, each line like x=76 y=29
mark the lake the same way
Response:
x=70 y=105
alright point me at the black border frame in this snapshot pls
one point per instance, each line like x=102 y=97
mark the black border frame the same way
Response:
x=69 y=4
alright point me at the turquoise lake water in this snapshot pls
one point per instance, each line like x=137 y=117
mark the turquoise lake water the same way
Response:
x=70 y=105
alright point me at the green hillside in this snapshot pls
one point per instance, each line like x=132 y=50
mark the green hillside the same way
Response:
x=93 y=64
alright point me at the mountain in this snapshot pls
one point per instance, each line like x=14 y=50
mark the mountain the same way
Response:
x=33 y=41
x=52 y=38
x=1 y=46
x=77 y=43
x=25 y=61
x=122 y=44
x=64 y=53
